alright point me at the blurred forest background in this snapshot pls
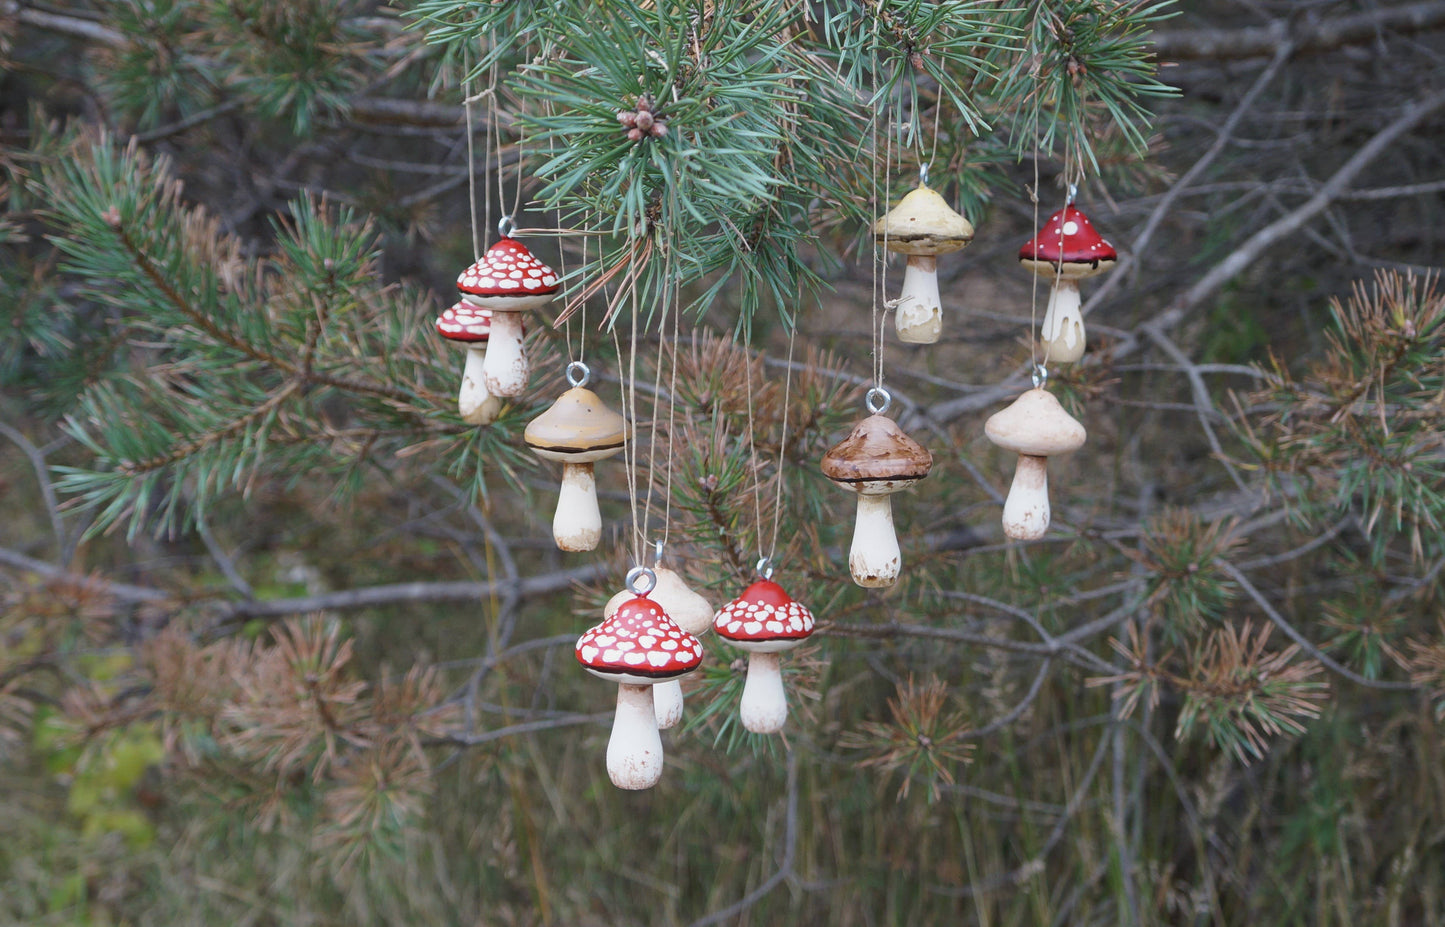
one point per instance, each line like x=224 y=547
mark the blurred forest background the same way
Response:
x=283 y=641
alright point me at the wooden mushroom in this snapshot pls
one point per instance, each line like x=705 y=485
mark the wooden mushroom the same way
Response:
x=922 y=226
x=1036 y=428
x=470 y=326
x=509 y=281
x=577 y=430
x=691 y=612
x=1066 y=250
x=764 y=621
x=638 y=647
x=876 y=460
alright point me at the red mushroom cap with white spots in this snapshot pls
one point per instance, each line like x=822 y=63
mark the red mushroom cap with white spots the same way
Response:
x=639 y=645
x=764 y=619
x=1068 y=245
x=465 y=322
x=508 y=277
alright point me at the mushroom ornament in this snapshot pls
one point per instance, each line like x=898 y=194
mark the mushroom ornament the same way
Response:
x=577 y=430
x=922 y=226
x=508 y=280
x=638 y=647
x=469 y=327
x=764 y=621
x=1036 y=428
x=689 y=611
x=1066 y=250
x=876 y=460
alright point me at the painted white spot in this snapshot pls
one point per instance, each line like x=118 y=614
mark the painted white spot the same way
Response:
x=668 y=645
x=775 y=626
x=634 y=658
x=647 y=640
x=658 y=659
x=589 y=654
x=626 y=645
x=1071 y=227
x=605 y=640
x=752 y=627
x=611 y=656
x=733 y=626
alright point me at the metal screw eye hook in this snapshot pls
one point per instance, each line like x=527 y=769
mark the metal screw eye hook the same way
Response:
x=578 y=374
x=1073 y=192
x=657 y=555
x=765 y=567
x=506 y=227
x=923 y=174
x=1041 y=376
x=641 y=580
x=878 y=400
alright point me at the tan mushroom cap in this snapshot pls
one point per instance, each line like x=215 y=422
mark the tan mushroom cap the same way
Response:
x=876 y=457
x=923 y=223
x=1035 y=425
x=578 y=428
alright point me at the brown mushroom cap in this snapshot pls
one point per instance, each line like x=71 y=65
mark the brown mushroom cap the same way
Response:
x=923 y=223
x=578 y=428
x=876 y=457
x=1035 y=425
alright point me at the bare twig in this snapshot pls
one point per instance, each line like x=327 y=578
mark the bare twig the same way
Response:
x=47 y=491
x=785 y=868
x=1294 y=635
x=1309 y=34
x=526 y=727
x=122 y=591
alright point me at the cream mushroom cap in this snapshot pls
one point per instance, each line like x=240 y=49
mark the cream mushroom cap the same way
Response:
x=1036 y=425
x=923 y=223
x=577 y=428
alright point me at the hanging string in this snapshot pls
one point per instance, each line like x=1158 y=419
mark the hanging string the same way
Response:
x=879 y=293
x=1034 y=286
x=667 y=268
x=671 y=414
x=494 y=135
x=752 y=443
x=467 y=101
x=783 y=441
x=629 y=408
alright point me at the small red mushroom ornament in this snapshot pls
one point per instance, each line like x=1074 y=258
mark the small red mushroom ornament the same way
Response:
x=764 y=621
x=1066 y=250
x=469 y=326
x=638 y=647
x=507 y=280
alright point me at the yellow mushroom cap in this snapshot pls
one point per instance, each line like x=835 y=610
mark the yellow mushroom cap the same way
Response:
x=576 y=429
x=923 y=223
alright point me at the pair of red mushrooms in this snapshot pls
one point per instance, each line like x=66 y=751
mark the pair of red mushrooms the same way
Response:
x=648 y=640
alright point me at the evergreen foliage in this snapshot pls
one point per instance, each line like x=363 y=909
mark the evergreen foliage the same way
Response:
x=299 y=627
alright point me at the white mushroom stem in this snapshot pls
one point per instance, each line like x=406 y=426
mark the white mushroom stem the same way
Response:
x=667 y=703
x=577 y=526
x=1063 y=328
x=634 y=753
x=874 y=559
x=918 y=314
x=477 y=405
x=505 y=369
x=765 y=703
x=1026 y=510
